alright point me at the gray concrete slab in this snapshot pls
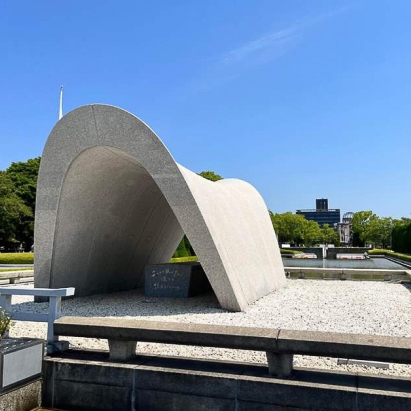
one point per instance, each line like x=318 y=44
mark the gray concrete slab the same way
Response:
x=24 y=398
x=356 y=346
x=247 y=338
x=176 y=384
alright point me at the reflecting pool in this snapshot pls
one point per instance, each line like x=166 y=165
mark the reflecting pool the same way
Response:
x=373 y=263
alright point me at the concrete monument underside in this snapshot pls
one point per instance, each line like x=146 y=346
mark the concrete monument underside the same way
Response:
x=111 y=199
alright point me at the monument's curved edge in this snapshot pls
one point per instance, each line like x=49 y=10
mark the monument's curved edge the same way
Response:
x=111 y=199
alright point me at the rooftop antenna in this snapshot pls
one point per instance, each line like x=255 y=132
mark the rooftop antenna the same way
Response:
x=61 y=102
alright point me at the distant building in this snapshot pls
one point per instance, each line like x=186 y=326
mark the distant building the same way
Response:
x=345 y=229
x=322 y=214
x=321 y=203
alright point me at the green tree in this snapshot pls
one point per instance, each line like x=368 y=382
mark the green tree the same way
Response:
x=311 y=232
x=401 y=235
x=329 y=235
x=185 y=249
x=373 y=230
x=14 y=214
x=377 y=231
x=24 y=176
x=297 y=230
x=359 y=224
x=210 y=175
x=293 y=228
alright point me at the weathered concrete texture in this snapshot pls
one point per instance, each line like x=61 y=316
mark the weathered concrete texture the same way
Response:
x=280 y=345
x=81 y=380
x=122 y=350
x=111 y=199
x=23 y=398
x=175 y=280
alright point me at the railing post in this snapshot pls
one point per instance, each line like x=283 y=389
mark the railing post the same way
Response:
x=279 y=365
x=122 y=350
x=54 y=313
x=5 y=303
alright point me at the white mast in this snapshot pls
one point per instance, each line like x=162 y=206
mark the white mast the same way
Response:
x=61 y=103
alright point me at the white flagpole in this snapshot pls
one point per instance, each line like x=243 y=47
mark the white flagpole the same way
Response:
x=61 y=103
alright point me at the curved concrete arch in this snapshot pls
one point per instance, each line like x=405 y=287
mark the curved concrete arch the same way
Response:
x=111 y=199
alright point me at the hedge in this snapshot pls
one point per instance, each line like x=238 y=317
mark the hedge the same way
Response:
x=184 y=259
x=28 y=258
x=16 y=258
x=389 y=253
x=401 y=238
x=288 y=251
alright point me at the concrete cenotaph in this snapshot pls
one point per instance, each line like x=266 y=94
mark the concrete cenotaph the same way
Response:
x=111 y=199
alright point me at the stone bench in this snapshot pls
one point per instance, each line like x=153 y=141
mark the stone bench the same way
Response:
x=279 y=345
x=13 y=276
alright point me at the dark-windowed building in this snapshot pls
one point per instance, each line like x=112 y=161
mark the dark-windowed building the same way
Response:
x=322 y=214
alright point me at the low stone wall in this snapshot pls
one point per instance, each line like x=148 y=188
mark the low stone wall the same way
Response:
x=85 y=380
x=318 y=251
x=333 y=251
x=348 y=274
x=23 y=398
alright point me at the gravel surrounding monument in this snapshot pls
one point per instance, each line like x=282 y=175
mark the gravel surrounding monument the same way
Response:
x=365 y=307
x=111 y=199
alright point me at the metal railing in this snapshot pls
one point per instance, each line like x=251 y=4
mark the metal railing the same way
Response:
x=54 y=309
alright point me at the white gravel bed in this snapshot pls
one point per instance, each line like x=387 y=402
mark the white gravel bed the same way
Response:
x=317 y=305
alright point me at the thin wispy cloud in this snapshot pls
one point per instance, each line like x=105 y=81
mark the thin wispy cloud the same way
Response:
x=276 y=42
x=229 y=65
x=276 y=39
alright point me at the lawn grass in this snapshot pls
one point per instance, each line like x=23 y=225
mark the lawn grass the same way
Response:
x=5 y=270
x=184 y=259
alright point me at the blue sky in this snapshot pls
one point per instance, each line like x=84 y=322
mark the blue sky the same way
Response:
x=303 y=99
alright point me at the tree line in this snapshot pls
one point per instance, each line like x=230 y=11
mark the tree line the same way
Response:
x=17 y=203
x=370 y=229
x=298 y=231
x=18 y=185
x=367 y=229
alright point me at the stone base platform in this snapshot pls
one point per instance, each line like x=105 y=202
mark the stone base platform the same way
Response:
x=87 y=380
x=23 y=398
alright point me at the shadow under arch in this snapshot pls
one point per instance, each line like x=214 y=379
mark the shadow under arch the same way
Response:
x=114 y=219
